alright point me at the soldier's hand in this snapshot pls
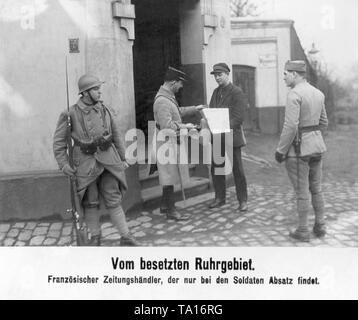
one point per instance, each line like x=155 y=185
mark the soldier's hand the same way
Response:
x=126 y=165
x=279 y=157
x=68 y=171
x=190 y=126
x=200 y=107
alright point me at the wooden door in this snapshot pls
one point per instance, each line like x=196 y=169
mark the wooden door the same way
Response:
x=244 y=77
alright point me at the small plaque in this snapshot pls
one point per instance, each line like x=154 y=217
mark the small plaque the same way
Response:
x=74 y=45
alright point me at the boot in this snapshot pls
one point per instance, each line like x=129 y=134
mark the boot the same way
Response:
x=300 y=235
x=128 y=241
x=319 y=230
x=216 y=203
x=94 y=241
x=175 y=215
x=243 y=206
x=167 y=199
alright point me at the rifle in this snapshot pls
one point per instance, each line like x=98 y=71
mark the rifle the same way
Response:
x=76 y=208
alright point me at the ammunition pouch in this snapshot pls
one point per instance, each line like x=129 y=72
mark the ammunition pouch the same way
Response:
x=298 y=138
x=103 y=143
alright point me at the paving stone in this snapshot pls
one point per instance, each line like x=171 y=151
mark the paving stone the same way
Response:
x=67 y=230
x=9 y=242
x=54 y=234
x=19 y=225
x=30 y=225
x=4 y=227
x=159 y=226
x=147 y=225
x=187 y=228
x=133 y=223
x=13 y=233
x=106 y=225
x=160 y=241
x=108 y=231
x=20 y=244
x=37 y=241
x=40 y=231
x=199 y=230
x=139 y=234
x=44 y=224
x=49 y=242
x=144 y=219
x=113 y=236
x=239 y=220
x=56 y=226
x=25 y=235
x=65 y=241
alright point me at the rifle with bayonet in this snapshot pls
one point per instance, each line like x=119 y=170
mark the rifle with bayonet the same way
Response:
x=76 y=208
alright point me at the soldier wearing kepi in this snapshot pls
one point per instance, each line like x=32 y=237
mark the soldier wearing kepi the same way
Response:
x=98 y=157
x=301 y=145
x=168 y=115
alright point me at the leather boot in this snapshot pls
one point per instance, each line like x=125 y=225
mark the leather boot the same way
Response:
x=301 y=235
x=319 y=230
x=217 y=203
x=167 y=199
x=243 y=206
x=94 y=241
x=176 y=215
x=128 y=241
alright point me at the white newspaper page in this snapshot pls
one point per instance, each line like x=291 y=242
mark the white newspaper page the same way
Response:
x=218 y=119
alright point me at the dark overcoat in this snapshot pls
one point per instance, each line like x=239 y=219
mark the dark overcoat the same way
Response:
x=233 y=98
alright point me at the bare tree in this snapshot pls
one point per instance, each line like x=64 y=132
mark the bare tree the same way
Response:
x=243 y=8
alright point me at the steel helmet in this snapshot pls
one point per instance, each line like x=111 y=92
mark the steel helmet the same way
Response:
x=87 y=82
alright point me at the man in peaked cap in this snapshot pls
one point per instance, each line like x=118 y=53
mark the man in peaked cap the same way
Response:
x=227 y=95
x=98 y=158
x=301 y=145
x=168 y=115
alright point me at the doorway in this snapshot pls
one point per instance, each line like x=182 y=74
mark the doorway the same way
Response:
x=156 y=46
x=244 y=77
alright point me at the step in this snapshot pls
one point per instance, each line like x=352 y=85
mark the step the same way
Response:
x=197 y=185
x=148 y=181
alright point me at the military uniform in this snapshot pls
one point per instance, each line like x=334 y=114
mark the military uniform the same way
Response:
x=302 y=142
x=89 y=122
x=172 y=166
x=98 y=158
x=168 y=115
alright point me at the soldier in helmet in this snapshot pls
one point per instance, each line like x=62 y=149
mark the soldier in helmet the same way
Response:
x=98 y=157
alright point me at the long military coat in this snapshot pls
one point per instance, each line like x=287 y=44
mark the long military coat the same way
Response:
x=304 y=108
x=90 y=121
x=168 y=115
x=233 y=98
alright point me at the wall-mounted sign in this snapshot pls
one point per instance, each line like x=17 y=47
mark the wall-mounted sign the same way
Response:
x=222 y=22
x=74 y=45
x=268 y=60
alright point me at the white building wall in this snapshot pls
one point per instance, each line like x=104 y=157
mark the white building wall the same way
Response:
x=32 y=80
x=265 y=45
x=34 y=42
x=217 y=42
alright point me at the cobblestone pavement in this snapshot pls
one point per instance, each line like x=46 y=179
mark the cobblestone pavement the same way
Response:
x=270 y=217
